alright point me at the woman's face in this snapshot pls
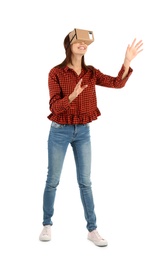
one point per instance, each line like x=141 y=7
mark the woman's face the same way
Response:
x=79 y=48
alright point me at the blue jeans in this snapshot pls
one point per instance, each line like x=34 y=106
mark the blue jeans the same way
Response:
x=60 y=136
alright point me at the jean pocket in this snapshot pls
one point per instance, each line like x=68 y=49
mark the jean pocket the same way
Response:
x=56 y=125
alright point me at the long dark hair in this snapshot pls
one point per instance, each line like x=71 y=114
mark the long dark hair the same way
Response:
x=68 y=59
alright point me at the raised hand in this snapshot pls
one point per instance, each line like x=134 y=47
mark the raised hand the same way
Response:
x=133 y=50
x=77 y=90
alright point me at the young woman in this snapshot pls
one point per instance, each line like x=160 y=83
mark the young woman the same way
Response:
x=73 y=106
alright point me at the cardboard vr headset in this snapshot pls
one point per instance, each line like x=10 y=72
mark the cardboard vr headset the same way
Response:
x=79 y=35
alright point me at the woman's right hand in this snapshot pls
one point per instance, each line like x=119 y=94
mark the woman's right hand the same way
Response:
x=77 y=91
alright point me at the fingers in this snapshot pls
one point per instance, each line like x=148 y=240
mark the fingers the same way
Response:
x=133 y=42
x=79 y=89
x=84 y=86
x=139 y=51
x=79 y=84
x=136 y=48
x=137 y=45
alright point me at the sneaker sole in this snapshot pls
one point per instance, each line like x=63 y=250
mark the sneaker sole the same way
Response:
x=44 y=239
x=99 y=245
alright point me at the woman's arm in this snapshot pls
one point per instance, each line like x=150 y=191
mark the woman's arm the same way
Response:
x=131 y=53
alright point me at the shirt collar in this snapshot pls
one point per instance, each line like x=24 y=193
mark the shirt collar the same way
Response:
x=66 y=68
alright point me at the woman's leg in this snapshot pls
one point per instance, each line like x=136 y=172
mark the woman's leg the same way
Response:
x=57 y=146
x=82 y=153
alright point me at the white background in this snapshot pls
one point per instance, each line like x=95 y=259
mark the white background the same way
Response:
x=126 y=140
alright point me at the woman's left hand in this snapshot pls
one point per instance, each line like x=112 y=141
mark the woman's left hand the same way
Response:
x=133 y=50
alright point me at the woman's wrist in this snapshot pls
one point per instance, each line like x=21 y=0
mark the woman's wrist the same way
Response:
x=127 y=62
x=127 y=59
x=72 y=96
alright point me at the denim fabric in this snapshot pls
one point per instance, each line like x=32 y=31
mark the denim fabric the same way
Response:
x=78 y=136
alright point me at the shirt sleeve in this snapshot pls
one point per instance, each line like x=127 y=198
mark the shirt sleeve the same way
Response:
x=57 y=103
x=113 y=82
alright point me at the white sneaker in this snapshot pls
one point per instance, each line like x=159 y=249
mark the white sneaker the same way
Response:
x=96 y=238
x=46 y=233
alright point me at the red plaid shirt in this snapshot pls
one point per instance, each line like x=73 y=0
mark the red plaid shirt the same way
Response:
x=82 y=109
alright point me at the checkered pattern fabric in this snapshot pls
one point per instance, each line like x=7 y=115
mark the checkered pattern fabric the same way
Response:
x=83 y=109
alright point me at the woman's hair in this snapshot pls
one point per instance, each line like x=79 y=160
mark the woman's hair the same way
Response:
x=68 y=52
